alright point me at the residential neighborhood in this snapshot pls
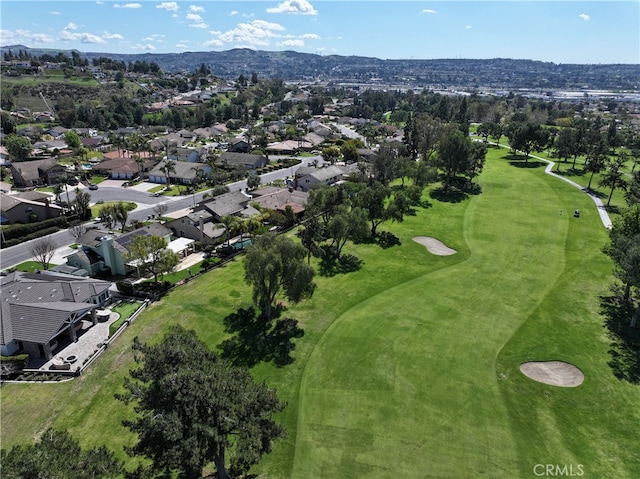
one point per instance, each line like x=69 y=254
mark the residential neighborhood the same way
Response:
x=375 y=258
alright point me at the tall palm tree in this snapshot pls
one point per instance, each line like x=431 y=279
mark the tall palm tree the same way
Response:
x=167 y=168
x=229 y=222
x=64 y=180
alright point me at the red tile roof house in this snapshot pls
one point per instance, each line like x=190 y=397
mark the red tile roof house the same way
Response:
x=38 y=309
x=279 y=198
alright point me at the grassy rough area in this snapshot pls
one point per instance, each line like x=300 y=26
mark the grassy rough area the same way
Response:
x=409 y=366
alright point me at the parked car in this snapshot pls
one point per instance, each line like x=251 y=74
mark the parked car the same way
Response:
x=93 y=186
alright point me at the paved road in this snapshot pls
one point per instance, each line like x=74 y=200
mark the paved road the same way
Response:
x=146 y=202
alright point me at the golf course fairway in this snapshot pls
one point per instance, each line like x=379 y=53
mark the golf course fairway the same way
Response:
x=422 y=379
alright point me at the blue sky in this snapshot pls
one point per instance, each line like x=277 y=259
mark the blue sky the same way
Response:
x=560 y=31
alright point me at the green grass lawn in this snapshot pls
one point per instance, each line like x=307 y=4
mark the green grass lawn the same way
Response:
x=125 y=309
x=409 y=366
x=97 y=208
x=97 y=179
x=31 y=266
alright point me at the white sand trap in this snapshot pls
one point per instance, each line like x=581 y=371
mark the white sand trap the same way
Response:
x=434 y=246
x=555 y=373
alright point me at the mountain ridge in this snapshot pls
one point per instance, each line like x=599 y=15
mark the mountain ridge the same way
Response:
x=291 y=65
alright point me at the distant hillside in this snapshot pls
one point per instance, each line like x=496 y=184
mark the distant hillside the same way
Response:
x=295 y=66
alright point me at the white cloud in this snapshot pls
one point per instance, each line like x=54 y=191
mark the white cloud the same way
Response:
x=23 y=36
x=585 y=17
x=428 y=10
x=127 y=5
x=146 y=47
x=194 y=17
x=67 y=36
x=181 y=46
x=267 y=25
x=233 y=12
x=311 y=36
x=99 y=2
x=292 y=43
x=168 y=6
x=468 y=27
x=298 y=7
x=71 y=26
x=6 y=37
x=112 y=36
x=196 y=8
x=54 y=13
x=214 y=42
x=199 y=25
x=215 y=32
x=256 y=33
x=156 y=37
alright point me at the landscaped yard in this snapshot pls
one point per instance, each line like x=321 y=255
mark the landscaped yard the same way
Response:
x=409 y=366
x=31 y=266
x=95 y=209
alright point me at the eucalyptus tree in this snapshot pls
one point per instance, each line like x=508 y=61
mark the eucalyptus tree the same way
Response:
x=275 y=265
x=346 y=224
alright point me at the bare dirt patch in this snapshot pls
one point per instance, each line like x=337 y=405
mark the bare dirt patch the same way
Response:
x=554 y=373
x=434 y=246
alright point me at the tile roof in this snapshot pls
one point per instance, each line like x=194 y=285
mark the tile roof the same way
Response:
x=35 y=306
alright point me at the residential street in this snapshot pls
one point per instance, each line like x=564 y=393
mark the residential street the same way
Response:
x=22 y=252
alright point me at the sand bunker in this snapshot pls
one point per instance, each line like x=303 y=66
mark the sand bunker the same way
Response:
x=555 y=373
x=434 y=246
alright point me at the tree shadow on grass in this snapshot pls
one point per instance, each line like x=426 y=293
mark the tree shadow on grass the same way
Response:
x=255 y=341
x=625 y=341
x=387 y=240
x=612 y=209
x=531 y=164
x=451 y=196
x=330 y=265
x=460 y=188
x=570 y=172
x=596 y=193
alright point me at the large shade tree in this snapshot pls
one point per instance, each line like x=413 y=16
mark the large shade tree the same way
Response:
x=193 y=408
x=19 y=147
x=526 y=137
x=151 y=255
x=458 y=155
x=58 y=455
x=276 y=265
x=623 y=248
